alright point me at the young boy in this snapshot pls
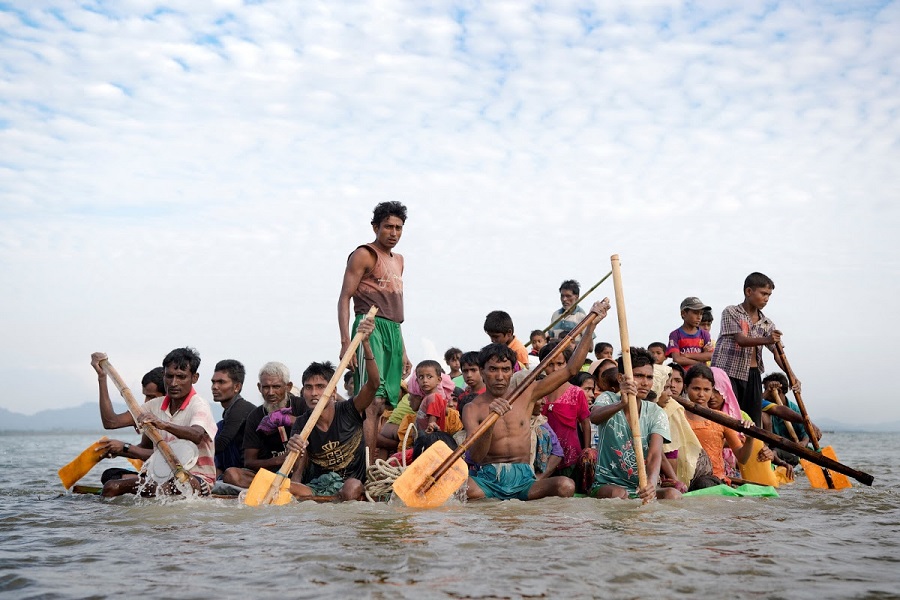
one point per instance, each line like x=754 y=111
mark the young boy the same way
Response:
x=706 y=322
x=744 y=330
x=690 y=344
x=538 y=340
x=432 y=414
x=603 y=350
x=658 y=351
x=499 y=327
x=472 y=376
x=451 y=357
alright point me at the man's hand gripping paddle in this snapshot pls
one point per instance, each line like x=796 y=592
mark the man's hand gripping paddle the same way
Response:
x=274 y=488
x=439 y=472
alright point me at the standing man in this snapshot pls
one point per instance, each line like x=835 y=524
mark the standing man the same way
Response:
x=227 y=382
x=374 y=277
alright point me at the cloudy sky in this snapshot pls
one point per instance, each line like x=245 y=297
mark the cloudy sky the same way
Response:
x=197 y=173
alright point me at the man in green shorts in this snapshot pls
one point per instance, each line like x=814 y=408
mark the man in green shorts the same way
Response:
x=503 y=454
x=374 y=277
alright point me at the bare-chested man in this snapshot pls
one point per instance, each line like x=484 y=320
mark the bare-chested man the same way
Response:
x=504 y=452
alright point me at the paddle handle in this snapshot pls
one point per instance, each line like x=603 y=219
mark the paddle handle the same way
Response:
x=632 y=412
x=151 y=431
x=774 y=440
x=792 y=381
x=518 y=391
x=572 y=308
x=288 y=465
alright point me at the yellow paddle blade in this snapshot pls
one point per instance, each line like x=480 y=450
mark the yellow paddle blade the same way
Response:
x=408 y=486
x=84 y=462
x=758 y=472
x=260 y=487
x=817 y=478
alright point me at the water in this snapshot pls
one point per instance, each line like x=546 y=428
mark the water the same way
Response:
x=805 y=544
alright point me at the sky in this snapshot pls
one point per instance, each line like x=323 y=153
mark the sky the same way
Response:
x=197 y=173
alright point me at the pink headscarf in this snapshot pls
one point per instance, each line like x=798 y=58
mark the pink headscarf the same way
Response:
x=446 y=388
x=730 y=408
x=723 y=386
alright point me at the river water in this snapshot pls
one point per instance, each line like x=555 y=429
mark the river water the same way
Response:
x=805 y=544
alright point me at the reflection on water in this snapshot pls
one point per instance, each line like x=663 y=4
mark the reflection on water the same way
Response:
x=806 y=544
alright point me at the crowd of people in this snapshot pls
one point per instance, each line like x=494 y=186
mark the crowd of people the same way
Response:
x=566 y=432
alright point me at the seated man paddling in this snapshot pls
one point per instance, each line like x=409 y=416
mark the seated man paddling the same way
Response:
x=333 y=459
x=267 y=426
x=616 y=472
x=179 y=415
x=503 y=453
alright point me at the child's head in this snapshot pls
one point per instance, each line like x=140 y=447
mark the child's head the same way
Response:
x=561 y=359
x=585 y=381
x=538 y=339
x=451 y=357
x=348 y=383
x=676 y=379
x=692 y=311
x=499 y=327
x=658 y=352
x=569 y=291
x=757 y=290
x=607 y=377
x=468 y=364
x=428 y=376
x=706 y=319
x=603 y=350
x=642 y=368
x=700 y=383
x=776 y=380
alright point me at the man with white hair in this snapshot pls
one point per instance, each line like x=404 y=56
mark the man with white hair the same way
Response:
x=268 y=426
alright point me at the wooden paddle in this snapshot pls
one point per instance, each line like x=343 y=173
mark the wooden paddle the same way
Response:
x=830 y=482
x=774 y=440
x=572 y=308
x=273 y=488
x=632 y=412
x=159 y=444
x=438 y=472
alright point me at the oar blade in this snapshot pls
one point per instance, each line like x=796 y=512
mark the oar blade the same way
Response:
x=72 y=473
x=259 y=488
x=817 y=477
x=408 y=486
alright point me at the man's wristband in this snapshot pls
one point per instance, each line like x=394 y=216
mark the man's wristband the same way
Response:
x=126 y=448
x=369 y=357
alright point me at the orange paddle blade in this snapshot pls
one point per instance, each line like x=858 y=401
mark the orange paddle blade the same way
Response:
x=79 y=467
x=408 y=487
x=260 y=487
x=817 y=477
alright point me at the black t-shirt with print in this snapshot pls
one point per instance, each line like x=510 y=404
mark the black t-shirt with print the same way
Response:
x=341 y=449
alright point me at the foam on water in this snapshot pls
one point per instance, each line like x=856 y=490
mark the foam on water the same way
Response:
x=805 y=544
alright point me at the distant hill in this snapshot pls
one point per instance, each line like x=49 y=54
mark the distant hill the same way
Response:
x=85 y=417
x=832 y=425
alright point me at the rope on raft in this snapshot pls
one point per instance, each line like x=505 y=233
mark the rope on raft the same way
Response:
x=380 y=475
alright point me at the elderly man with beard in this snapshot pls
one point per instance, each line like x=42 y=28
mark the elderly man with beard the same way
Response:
x=268 y=426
